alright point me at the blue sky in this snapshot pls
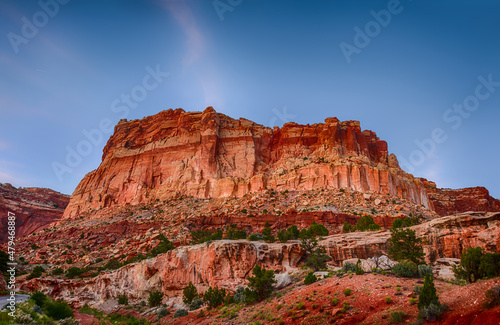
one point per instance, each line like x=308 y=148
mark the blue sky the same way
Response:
x=424 y=75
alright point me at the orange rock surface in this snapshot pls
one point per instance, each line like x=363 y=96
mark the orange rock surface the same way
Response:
x=34 y=208
x=210 y=155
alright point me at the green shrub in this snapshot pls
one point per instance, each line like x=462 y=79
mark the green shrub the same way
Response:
x=348 y=266
x=214 y=297
x=255 y=236
x=404 y=245
x=233 y=233
x=36 y=272
x=239 y=295
x=180 y=313
x=397 y=317
x=266 y=234
x=164 y=246
x=406 y=222
x=335 y=301
x=423 y=270
x=428 y=294
x=292 y=232
x=57 y=271
x=74 y=272
x=123 y=300
x=489 y=266
x=112 y=264
x=155 y=298
x=359 y=270
x=493 y=297
x=189 y=293
x=310 y=278
x=201 y=236
x=39 y=298
x=405 y=269
x=366 y=223
x=347 y=227
x=412 y=301
x=57 y=309
x=431 y=312
x=282 y=236
x=196 y=303
x=469 y=264
x=347 y=292
x=261 y=283
x=318 y=230
x=162 y=313
x=388 y=300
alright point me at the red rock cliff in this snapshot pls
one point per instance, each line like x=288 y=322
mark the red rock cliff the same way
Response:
x=207 y=154
x=34 y=208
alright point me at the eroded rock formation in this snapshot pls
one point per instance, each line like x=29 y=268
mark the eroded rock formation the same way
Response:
x=207 y=154
x=34 y=208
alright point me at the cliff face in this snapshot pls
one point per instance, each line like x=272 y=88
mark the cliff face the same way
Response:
x=210 y=155
x=34 y=208
x=221 y=263
x=447 y=201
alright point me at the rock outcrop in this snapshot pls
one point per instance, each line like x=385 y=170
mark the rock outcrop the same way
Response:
x=210 y=155
x=445 y=237
x=222 y=263
x=447 y=201
x=34 y=208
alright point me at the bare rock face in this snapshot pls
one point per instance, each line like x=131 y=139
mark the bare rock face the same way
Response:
x=34 y=208
x=210 y=155
x=222 y=263
x=446 y=237
x=447 y=201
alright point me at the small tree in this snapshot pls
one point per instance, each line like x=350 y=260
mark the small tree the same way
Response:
x=315 y=254
x=164 y=246
x=189 y=293
x=214 y=297
x=310 y=278
x=359 y=269
x=155 y=298
x=123 y=300
x=406 y=246
x=428 y=293
x=293 y=232
x=266 y=233
x=366 y=223
x=262 y=282
x=469 y=264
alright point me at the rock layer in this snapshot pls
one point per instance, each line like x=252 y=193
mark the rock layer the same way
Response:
x=445 y=237
x=222 y=263
x=34 y=208
x=447 y=201
x=210 y=155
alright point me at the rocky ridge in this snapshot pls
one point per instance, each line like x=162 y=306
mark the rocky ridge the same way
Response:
x=35 y=208
x=210 y=155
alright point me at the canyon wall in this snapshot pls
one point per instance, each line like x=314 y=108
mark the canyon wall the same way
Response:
x=210 y=155
x=34 y=208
